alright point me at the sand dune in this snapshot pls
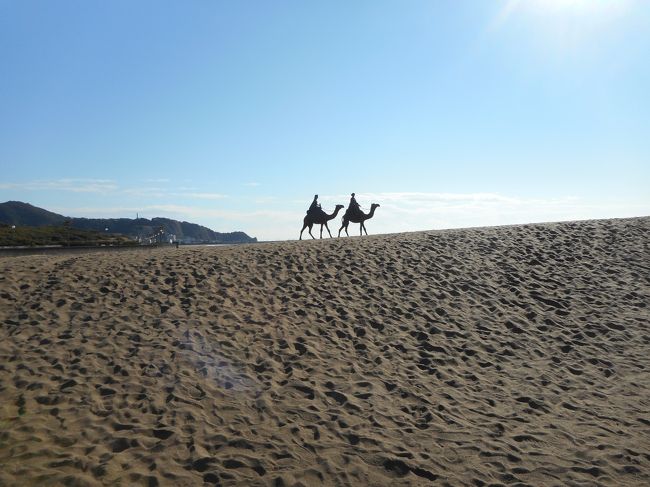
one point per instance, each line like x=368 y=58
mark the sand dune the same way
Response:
x=498 y=356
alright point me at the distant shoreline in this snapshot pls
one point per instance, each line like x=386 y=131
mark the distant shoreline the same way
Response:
x=49 y=250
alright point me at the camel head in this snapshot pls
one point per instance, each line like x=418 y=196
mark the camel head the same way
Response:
x=338 y=207
x=375 y=205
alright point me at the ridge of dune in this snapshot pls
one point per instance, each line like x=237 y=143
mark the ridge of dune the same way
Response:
x=512 y=355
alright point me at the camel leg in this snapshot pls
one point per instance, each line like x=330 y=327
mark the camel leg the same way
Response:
x=363 y=226
x=328 y=229
x=303 y=229
x=321 y=231
x=344 y=226
x=310 y=227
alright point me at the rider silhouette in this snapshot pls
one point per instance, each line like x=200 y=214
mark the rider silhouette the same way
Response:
x=315 y=205
x=353 y=207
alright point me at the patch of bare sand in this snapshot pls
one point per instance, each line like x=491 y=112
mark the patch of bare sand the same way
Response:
x=507 y=356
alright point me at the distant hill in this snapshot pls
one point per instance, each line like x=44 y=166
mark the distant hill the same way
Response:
x=23 y=214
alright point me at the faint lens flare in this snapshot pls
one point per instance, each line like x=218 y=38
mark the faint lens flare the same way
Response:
x=504 y=14
x=206 y=359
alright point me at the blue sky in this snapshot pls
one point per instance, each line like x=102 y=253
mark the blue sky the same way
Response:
x=233 y=114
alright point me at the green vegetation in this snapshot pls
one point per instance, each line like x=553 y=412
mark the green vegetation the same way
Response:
x=63 y=235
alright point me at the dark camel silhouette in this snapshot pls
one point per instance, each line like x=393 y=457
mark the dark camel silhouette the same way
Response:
x=319 y=218
x=359 y=217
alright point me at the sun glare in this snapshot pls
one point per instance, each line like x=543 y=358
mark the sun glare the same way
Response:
x=577 y=7
x=563 y=24
x=563 y=5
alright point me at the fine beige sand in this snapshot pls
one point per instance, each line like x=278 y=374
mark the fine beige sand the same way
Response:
x=495 y=356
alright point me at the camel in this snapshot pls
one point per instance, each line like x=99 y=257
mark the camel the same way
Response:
x=358 y=218
x=319 y=218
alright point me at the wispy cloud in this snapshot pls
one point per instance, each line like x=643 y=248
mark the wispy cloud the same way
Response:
x=233 y=215
x=145 y=192
x=157 y=180
x=105 y=186
x=416 y=198
x=73 y=185
x=420 y=200
x=202 y=196
x=265 y=200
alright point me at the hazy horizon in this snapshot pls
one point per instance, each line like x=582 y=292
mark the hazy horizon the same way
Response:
x=232 y=116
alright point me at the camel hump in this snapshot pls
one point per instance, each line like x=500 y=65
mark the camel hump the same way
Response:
x=352 y=212
x=316 y=212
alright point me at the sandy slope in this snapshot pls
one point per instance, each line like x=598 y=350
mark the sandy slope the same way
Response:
x=506 y=356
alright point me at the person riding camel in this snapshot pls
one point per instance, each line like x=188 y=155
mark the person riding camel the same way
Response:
x=315 y=206
x=353 y=207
